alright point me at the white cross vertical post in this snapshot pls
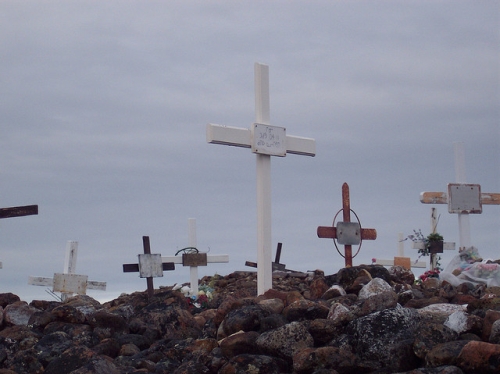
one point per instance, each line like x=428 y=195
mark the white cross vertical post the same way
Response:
x=70 y=262
x=264 y=238
x=463 y=219
x=193 y=270
x=264 y=140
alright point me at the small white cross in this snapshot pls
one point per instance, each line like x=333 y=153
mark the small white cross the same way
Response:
x=265 y=141
x=400 y=259
x=193 y=270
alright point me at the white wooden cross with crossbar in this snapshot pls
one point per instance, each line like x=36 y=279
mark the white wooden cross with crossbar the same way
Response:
x=193 y=265
x=462 y=198
x=400 y=259
x=68 y=282
x=265 y=141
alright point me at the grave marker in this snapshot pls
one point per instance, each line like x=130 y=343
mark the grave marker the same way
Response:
x=18 y=211
x=347 y=233
x=462 y=198
x=450 y=246
x=265 y=141
x=276 y=265
x=68 y=282
x=194 y=259
x=150 y=266
x=401 y=259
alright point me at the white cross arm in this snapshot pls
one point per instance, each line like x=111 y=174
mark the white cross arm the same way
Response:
x=210 y=258
x=241 y=137
x=442 y=198
x=49 y=282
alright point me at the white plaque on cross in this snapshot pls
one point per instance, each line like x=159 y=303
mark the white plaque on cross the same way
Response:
x=248 y=138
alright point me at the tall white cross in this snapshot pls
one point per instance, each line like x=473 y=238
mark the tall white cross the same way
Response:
x=68 y=282
x=265 y=141
x=197 y=259
x=461 y=198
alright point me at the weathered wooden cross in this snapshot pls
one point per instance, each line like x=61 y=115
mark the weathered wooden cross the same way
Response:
x=68 y=282
x=150 y=266
x=276 y=265
x=347 y=233
x=266 y=141
x=18 y=211
x=400 y=259
x=194 y=259
x=462 y=198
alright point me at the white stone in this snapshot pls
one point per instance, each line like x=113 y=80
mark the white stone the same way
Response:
x=457 y=321
x=374 y=287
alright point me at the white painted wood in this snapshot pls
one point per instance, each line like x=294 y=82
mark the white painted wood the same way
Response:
x=243 y=138
x=193 y=270
x=70 y=283
x=463 y=219
x=401 y=253
x=68 y=279
x=150 y=265
x=70 y=258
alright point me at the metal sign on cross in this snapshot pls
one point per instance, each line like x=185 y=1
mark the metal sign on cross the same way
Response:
x=18 y=211
x=150 y=266
x=193 y=258
x=347 y=233
x=68 y=282
x=400 y=259
x=462 y=198
x=265 y=141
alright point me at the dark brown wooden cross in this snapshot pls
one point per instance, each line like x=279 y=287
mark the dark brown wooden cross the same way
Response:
x=276 y=264
x=19 y=211
x=149 y=266
x=347 y=233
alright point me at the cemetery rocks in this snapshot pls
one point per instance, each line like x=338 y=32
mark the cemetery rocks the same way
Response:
x=364 y=319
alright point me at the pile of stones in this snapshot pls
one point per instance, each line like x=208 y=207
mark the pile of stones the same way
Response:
x=364 y=319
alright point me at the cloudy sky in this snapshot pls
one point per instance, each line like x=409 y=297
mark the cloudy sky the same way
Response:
x=104 y=107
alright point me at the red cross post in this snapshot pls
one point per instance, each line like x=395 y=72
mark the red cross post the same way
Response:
x=347 y=233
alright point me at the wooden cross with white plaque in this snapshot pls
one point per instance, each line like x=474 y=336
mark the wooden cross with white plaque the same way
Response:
x=68 y=282
x=18 y=211
x=347 y=233
x=150 y=266
x=462 y=198
x=195 y=259
x=265 y=141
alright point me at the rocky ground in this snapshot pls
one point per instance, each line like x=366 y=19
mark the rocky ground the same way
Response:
x=364 y=319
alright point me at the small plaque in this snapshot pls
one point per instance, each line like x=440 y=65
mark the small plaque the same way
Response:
x=403 y=261
x=348 y=233
x=268 y=140
x=194 y=259
x=150 y=266
x=70 y=283
x=464 y=198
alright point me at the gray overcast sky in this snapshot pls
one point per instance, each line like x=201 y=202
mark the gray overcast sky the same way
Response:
x=104 y=106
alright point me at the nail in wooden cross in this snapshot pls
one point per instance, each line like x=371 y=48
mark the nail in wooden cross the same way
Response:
x=150 y=266
x=18 y=211
x=276 y=265
x=347 y=233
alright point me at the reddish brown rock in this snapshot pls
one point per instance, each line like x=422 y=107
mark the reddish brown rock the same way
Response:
x=479 y=357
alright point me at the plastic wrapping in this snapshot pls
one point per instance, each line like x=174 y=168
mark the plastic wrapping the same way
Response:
x=468 y=266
